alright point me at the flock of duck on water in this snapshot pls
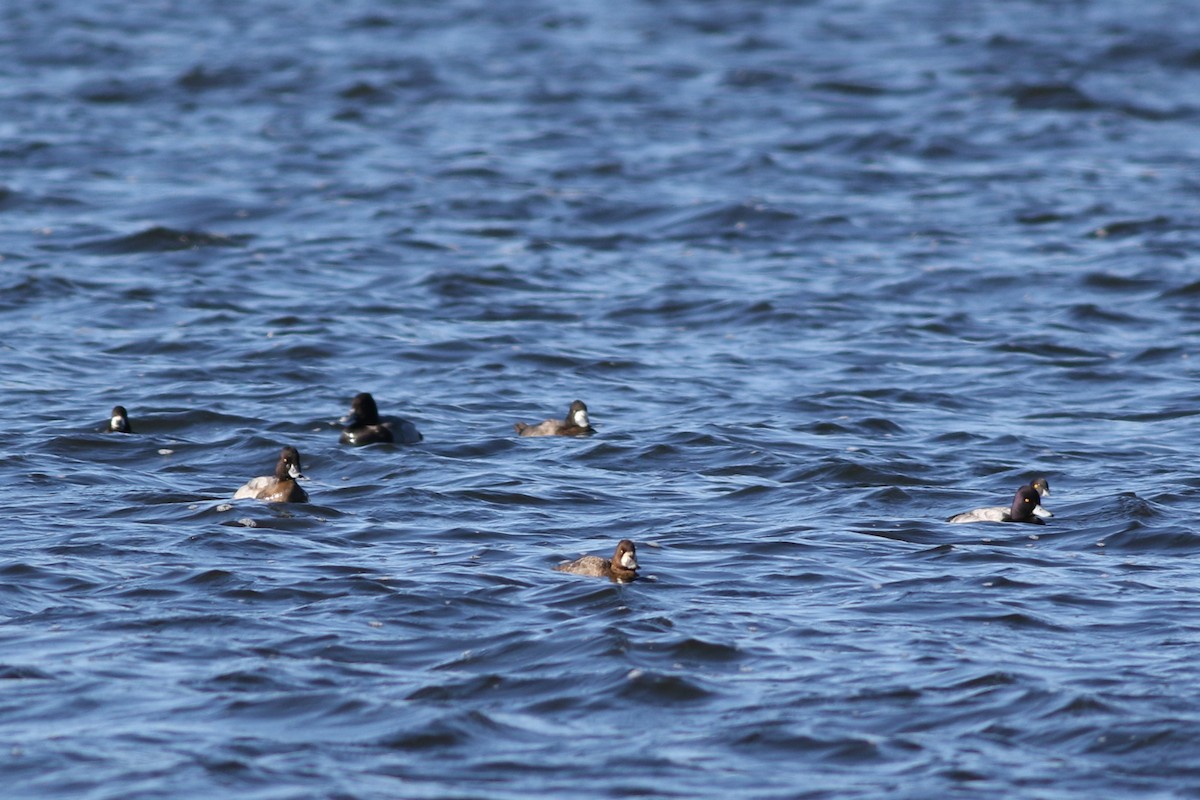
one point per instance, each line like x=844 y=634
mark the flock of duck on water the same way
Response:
x=363 y=427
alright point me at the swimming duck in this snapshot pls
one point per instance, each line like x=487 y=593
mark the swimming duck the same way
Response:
x=363 y=425
x=280 y=487
x=621 y=568
x=119 y=423
x=1026 y=507
x=575 y=424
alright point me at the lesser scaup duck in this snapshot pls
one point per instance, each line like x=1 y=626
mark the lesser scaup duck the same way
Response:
x=1043 y=488
x=119 y=423
x=1026 y=507
x=363 y=425
x=280 y=487
x=575 y=424
x=622 y=567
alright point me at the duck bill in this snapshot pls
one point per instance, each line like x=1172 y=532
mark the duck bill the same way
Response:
x=1042 y=512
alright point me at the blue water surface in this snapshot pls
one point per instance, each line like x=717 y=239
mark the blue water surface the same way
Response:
x=824 y=272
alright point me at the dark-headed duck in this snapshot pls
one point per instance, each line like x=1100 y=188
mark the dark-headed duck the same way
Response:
x=575 y=424
x=280 y=487
x=363 y=425
x=1026 y=507
x=119 y=423
x=622 y=567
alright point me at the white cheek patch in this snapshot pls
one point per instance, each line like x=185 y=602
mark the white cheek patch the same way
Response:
x=629 y=561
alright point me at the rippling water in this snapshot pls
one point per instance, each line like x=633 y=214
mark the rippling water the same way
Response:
x=824 y=272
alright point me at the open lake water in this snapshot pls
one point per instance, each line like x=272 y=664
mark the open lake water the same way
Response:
x=824 y=272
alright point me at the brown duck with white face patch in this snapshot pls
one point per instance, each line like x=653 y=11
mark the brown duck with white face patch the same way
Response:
x=119 y=423
x=575 y=424
x=280 y=487
x=622 y=567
